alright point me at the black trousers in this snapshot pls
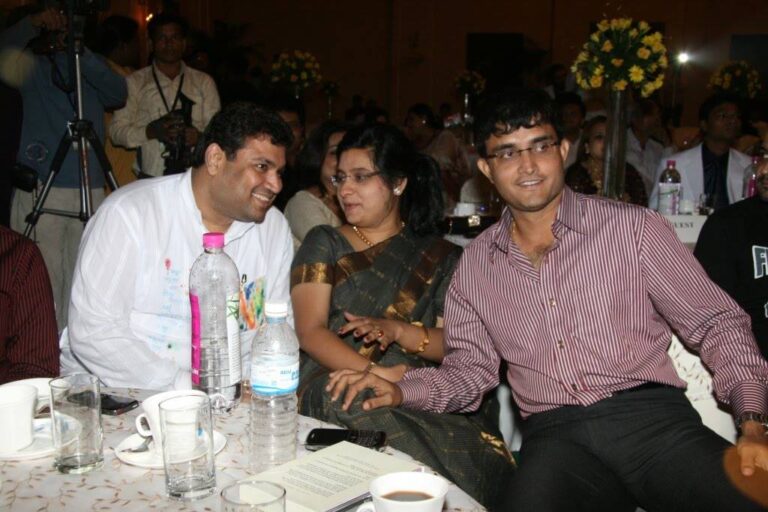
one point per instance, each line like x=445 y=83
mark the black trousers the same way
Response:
x=646 y=447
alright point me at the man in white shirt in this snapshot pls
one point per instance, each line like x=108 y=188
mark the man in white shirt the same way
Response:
x=712 y=172
x=129 y=321
x=153 y=118
x=643 y=152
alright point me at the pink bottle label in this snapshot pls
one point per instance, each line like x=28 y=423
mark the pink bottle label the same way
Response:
x=195 y=303
x=751 y=186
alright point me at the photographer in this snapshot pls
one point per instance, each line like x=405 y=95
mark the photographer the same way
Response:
x=41 y=76
x=168 y=103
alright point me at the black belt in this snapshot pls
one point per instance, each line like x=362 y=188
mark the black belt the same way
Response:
x=641 y=387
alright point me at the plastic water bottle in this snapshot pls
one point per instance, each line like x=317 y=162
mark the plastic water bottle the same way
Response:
x=670 y=190
x=749 y=188
x=274 y=379
x=214 y=295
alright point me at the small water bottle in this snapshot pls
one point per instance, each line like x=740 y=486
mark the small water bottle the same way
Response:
x=749 y=187
x=214 y=295
x=670 y=190
x=274 y=380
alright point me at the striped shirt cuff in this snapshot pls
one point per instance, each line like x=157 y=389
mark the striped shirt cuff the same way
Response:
x=749 y=397
x=415 y=393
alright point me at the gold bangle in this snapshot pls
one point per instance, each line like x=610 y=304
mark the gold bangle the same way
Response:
x=371 y=366
x=423 y=345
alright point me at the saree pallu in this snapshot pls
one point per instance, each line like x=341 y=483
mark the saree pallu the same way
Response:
x=403 y=278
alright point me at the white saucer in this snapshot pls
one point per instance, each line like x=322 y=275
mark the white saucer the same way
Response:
x=150 y=459
x=42 y=439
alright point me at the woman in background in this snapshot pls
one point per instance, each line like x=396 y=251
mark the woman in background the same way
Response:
x=316 y=202
x=586 y=175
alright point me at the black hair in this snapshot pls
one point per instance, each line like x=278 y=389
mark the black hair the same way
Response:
x=507 y=111
x=113 y=31
x=715 y=101
x=284 y=102
x=232 y=125
x=163 y=19
x=424 y=110
x=309 y=161
x=395 y=157
x=571 y=98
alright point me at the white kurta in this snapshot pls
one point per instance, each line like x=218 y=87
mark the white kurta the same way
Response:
x=129 y=320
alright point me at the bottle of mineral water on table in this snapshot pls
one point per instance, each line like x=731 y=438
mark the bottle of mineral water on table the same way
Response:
x=274 y=379
x=214 y=295
x=670 y=190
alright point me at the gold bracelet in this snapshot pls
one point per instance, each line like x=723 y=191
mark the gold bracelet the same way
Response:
x=371 y=366
x=423 y=345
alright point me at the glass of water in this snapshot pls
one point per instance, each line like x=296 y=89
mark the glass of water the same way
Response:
x=253 y=496
x=76 y=420
x=187 y=433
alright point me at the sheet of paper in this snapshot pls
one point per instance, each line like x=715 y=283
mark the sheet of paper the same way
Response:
x=331 y=477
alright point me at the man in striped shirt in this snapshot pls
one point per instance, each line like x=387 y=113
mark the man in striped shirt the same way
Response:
x=579 y=296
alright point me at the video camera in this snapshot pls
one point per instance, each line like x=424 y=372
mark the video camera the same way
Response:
x=178 y=155
x=77 y=12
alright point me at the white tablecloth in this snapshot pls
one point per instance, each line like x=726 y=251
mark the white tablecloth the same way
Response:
x=35 y=485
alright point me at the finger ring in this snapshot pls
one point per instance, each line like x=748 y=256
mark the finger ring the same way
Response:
x=379 y=333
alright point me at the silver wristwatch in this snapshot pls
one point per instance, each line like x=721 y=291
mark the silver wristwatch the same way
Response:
x=752 y=416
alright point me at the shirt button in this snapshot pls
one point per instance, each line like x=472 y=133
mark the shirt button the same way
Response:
x=574 y=387
x=560 y=344
x=552 y=302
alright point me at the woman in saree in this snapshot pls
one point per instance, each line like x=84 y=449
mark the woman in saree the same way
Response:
x=369 y=296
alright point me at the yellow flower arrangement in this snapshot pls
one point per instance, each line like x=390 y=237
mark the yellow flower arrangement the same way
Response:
x=296 y=68
x=470 y=82
x=737 y=77
x=622 y=53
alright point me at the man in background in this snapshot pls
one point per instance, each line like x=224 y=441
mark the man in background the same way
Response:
x=48 y=108
x=157 y=117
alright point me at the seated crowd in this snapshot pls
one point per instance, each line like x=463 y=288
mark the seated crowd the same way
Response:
x=571 y=299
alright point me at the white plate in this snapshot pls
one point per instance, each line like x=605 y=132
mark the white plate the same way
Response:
x=43 y=390
x=151 y=459
x=42 y=439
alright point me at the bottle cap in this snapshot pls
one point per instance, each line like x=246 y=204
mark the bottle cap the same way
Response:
x=214 y=240
x=275 y=309
x=756 y=159
x=670 y=163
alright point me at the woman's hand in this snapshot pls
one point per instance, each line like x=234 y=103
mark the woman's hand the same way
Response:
x=391 y=373
x=372 y=330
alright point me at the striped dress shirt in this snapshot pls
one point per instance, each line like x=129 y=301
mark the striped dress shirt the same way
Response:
x=595 y=318
x=29 y=344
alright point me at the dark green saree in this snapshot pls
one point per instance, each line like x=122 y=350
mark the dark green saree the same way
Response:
x=404 y=278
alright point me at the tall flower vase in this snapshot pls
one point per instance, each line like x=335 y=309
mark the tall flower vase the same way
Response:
x=466 y=118
x=615 y=145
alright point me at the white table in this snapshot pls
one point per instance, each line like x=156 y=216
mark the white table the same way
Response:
x=687 y=227
x=36 y=485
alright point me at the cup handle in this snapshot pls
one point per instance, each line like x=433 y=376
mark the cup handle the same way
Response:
x=143 y=431
x=366 y=507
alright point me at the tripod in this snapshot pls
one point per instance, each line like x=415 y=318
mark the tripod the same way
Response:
x=79 y=131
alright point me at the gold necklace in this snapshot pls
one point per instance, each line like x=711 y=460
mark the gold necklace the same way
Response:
x=362 y=237
x=368 y=242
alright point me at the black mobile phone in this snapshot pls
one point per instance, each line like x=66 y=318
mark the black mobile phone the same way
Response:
x=110 y=404
x=319 y=438
x=114 y=405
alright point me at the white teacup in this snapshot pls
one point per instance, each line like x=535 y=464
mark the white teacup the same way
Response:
x=151 y=416
x=17 y=409
x=407 y=492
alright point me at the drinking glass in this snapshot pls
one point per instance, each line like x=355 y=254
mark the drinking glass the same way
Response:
x=76 y=419
x=253 y=496
x=187 y=432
